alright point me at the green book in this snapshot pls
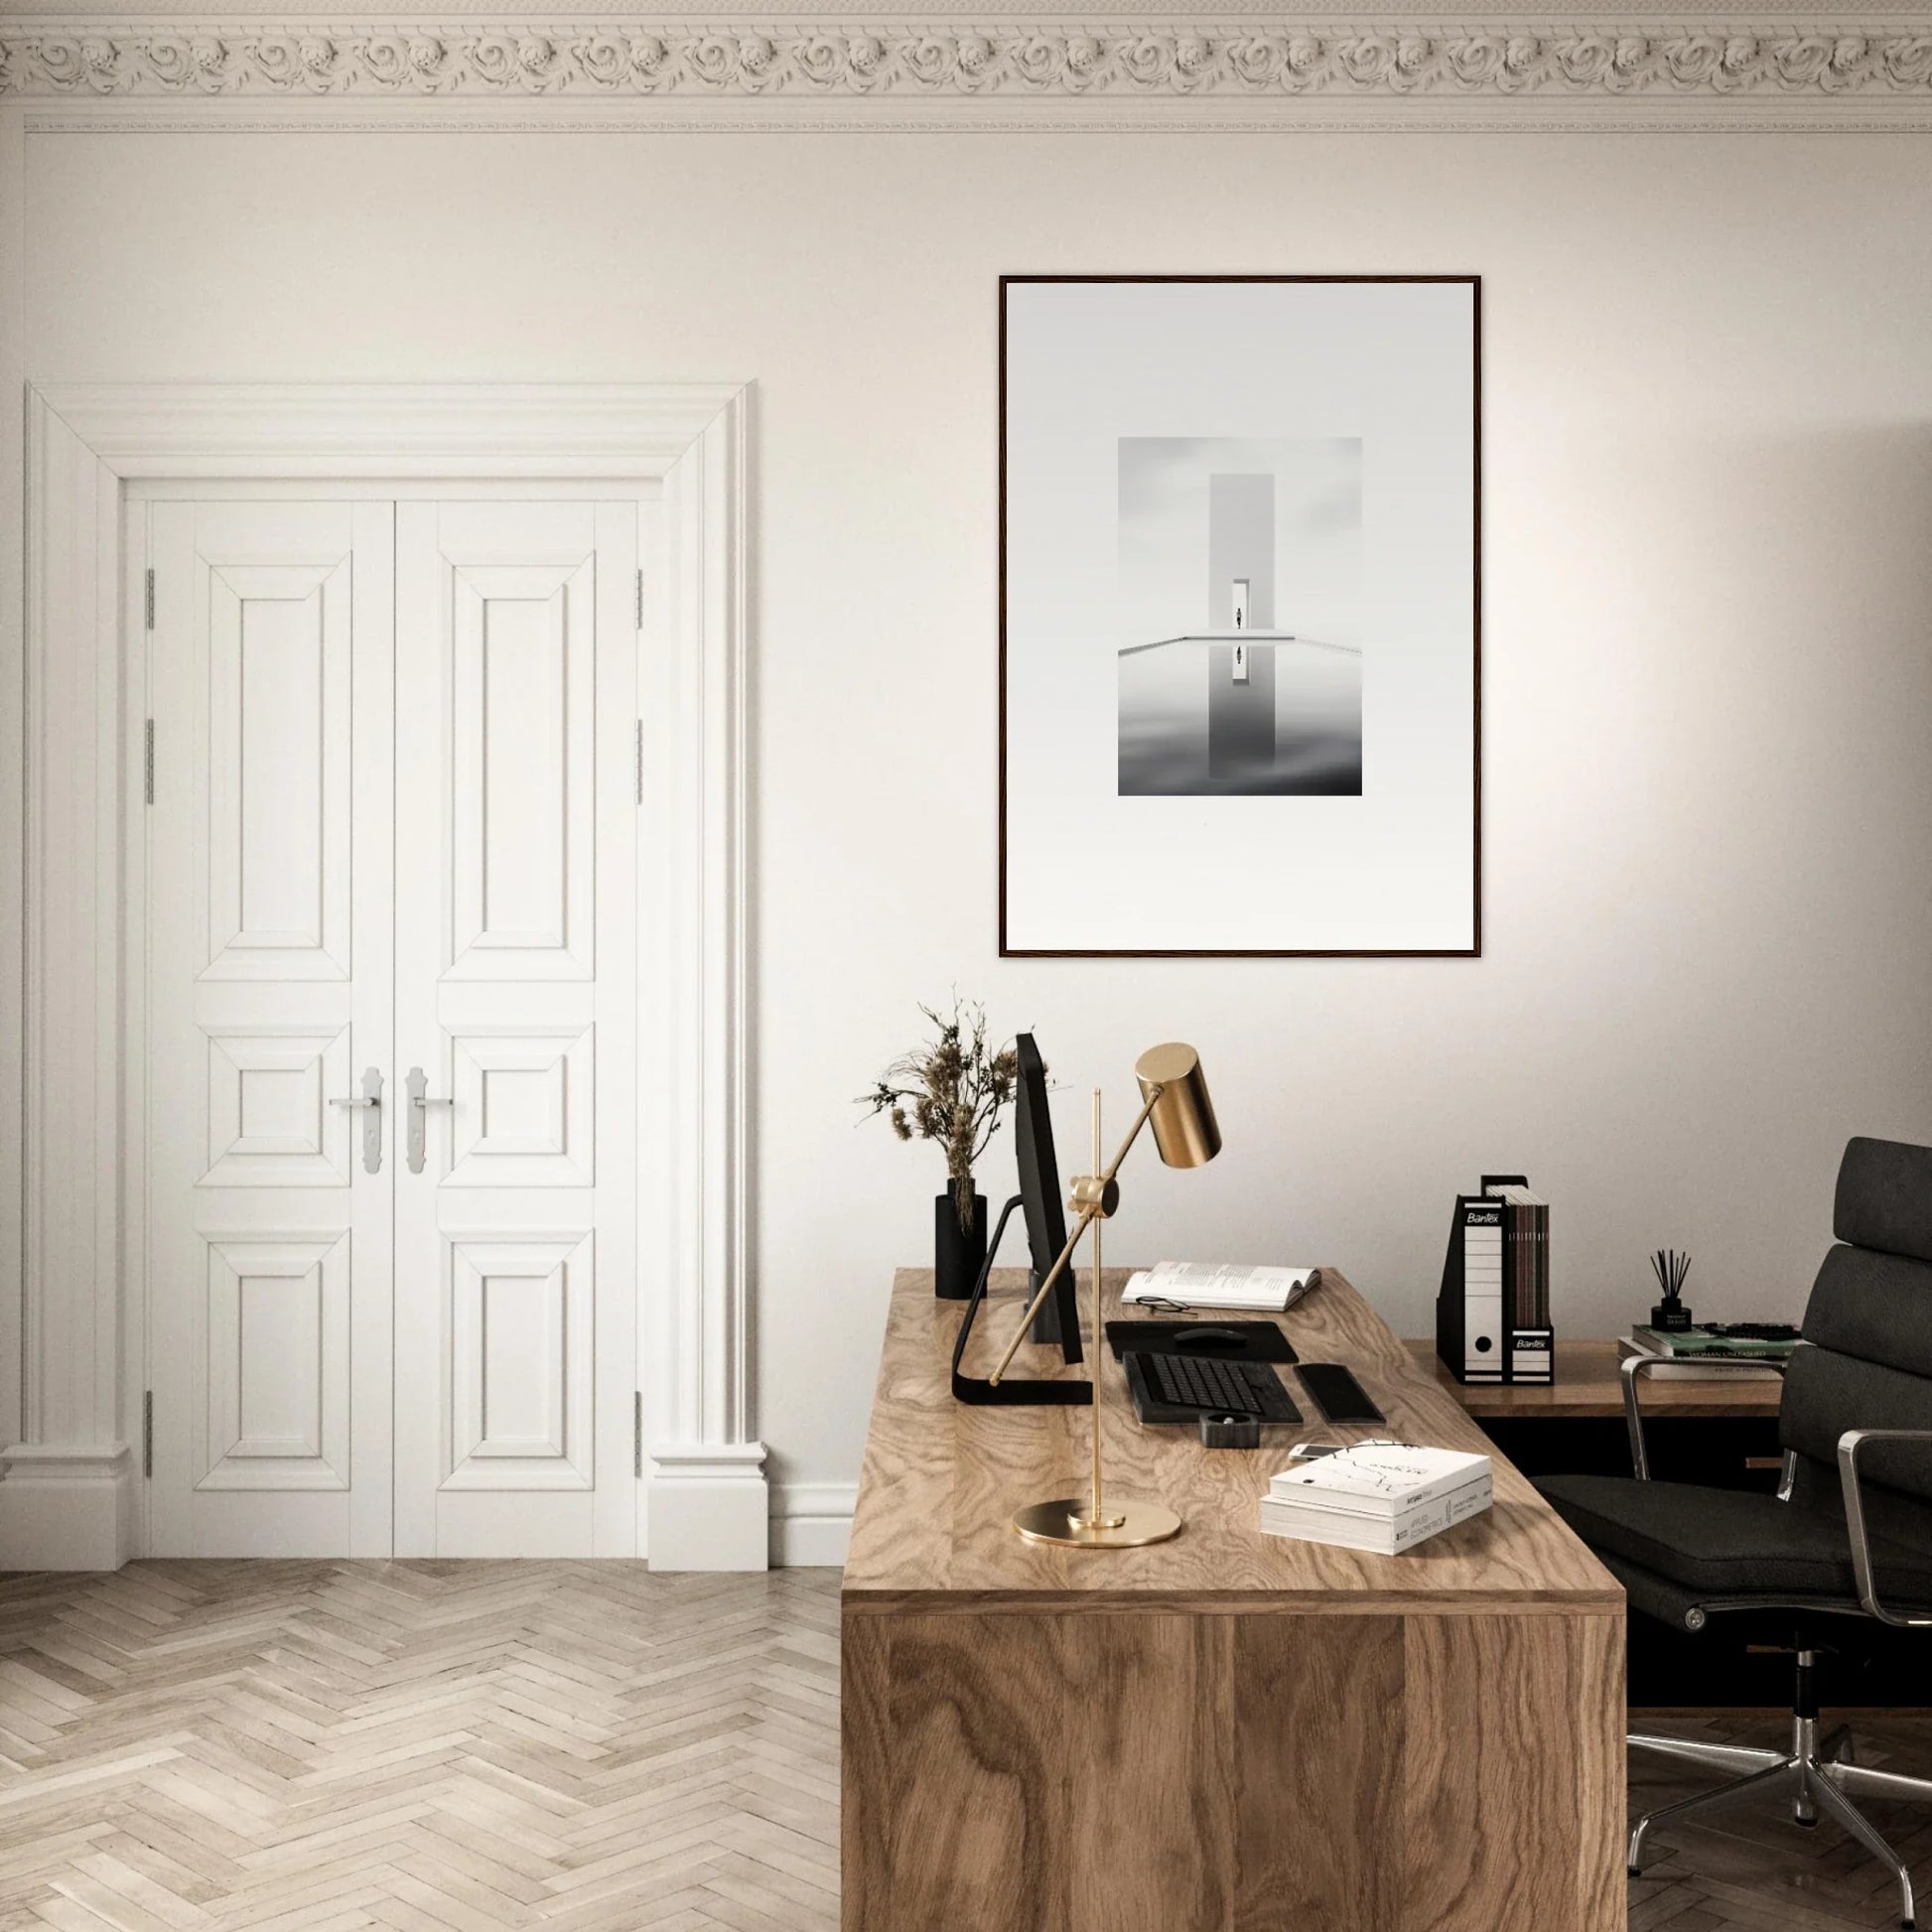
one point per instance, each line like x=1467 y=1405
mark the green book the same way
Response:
x=1701 y=1341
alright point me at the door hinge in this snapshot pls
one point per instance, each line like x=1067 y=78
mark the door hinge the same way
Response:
x=150 y=596
x=640 y=760
x=640 y=598
x=637 y=1433
x=146 y=1433
x=147 y=762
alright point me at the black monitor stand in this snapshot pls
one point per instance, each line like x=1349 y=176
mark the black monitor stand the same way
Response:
x=1010 y=1391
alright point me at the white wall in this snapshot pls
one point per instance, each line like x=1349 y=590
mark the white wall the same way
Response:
x=1707 y=652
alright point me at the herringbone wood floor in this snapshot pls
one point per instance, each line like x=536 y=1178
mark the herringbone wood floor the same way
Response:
x=459 y=1747
x=428 y=1746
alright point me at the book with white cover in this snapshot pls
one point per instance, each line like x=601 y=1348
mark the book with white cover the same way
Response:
x=1388 y=1535
x=1217 y=1285
x=1378 y=1479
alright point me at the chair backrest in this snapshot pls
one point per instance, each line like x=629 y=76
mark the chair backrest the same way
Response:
x=1869 y=1325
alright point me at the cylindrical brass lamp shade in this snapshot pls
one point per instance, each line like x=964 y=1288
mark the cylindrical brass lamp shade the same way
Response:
x=1185 y=1128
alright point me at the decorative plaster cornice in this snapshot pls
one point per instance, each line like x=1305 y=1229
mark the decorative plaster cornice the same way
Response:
x=1572 y=65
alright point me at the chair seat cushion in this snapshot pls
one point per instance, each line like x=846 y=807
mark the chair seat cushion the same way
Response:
x=1728 y=1541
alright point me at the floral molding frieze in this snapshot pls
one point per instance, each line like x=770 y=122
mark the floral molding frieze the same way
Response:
x=1251 y=61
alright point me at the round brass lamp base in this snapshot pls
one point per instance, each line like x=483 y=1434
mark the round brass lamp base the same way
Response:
x=1064 y=1521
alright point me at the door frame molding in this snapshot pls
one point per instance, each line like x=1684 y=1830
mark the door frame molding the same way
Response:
x=68 y=1495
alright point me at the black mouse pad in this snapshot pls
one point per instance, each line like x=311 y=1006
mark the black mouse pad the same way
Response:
x=1221 y=1341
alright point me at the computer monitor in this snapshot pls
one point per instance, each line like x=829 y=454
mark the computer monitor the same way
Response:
x=1039 y=1201
x=1040 y=1196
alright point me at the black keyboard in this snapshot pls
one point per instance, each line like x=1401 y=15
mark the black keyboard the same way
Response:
x=1202 y=1386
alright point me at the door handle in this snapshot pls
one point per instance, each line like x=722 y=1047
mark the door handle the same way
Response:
x=370 y=1098
x=420 y=1102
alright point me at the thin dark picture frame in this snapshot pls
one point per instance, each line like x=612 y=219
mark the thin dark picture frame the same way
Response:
x=1471 y=952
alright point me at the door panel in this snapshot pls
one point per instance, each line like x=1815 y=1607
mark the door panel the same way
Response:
x=523 y=770
x=515 y=1243
x=520 y=1338
x=278 y=792
x=269 y=992
x=278 y=1336
x=269 y=1121
x=526 y=1107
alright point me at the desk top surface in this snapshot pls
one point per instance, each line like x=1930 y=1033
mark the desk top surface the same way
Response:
x=1589 y=1384
x=942 y=1478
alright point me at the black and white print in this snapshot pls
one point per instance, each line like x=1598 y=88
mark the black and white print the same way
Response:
x=1240 y=621
x=1239 y=568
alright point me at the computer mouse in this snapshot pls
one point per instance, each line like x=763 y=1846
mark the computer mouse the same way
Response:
x=1208 y=1337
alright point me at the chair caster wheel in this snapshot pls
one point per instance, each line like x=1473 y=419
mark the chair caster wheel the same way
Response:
x=1633 y=1872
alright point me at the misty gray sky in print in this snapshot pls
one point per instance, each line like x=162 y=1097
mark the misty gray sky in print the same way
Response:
x=1164 y=584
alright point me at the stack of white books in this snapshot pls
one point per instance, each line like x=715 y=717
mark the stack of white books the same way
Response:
x=1381 y=1497
x=1219 y=1285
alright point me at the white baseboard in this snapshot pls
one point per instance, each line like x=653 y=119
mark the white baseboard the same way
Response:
x=709 y=1507
x=66 y=1507
x=811 y=1523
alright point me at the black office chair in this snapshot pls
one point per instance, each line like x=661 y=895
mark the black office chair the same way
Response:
x=1848 y=1536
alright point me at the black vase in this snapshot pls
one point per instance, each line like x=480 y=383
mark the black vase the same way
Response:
x=957 y=1254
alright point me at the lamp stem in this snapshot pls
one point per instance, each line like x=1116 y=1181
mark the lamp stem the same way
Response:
x=1094 y=1516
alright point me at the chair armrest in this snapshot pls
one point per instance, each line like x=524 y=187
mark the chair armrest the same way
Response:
x=1635 y=1366
x=1849 y=1446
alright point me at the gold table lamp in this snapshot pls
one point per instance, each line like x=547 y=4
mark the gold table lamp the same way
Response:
x=1175 y=1100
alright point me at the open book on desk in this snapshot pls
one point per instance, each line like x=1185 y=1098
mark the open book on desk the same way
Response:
x=1217 y=1285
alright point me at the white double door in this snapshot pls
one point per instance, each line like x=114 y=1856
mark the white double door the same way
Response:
x=391 y=860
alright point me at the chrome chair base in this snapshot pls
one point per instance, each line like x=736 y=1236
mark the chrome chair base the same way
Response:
x=1817 y=1776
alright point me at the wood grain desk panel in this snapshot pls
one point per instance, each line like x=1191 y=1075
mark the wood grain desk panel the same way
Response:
x=1224 y=1732
x=1588 y=1385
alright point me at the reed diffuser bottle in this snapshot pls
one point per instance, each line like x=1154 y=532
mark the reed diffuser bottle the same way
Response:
x=1670 y=1316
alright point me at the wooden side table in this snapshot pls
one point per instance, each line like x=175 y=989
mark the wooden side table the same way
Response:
x=1588 y=1387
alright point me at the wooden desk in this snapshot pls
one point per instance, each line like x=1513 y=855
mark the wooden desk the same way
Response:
x=1228 y=1731
x=1588 y=1385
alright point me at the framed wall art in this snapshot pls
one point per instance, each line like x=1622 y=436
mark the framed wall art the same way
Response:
x=1239 y=615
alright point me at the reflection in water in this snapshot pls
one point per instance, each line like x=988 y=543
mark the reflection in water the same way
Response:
x=1293 y=726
